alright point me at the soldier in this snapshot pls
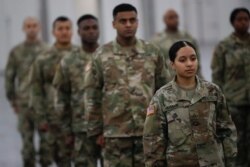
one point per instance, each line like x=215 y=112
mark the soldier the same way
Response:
x=69 y=79
x=42 y=74
x=17 y=85
x=170 y=35
x=119 y=83
x=187 y=121
x=230 y=70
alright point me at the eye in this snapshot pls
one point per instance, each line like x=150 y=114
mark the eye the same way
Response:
x=193 y=58
x=133 y=20
x=182 y=60
x=122 y=21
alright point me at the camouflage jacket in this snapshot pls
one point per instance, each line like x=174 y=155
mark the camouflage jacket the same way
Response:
x=41 y=78
x=189 y=131
x=119 y=85
x=231 y=67
x=69 y=84
x=17 y=70
x=166 y=39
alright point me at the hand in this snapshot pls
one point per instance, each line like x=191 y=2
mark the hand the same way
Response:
x=44 y=127
x=100 y=140
x=15 y=107
x=69 y=140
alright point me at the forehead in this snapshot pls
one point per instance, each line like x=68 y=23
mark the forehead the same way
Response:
x=88 y=22
x=126 y=15
x=241 y=14
x=186 y=51
x=63 y=23
x=30 y=22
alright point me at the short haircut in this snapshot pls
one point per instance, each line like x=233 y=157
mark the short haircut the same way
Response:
x=60 y=19
x=85 y=17
x=236 y=11
x=124 y=7
x=176 y=47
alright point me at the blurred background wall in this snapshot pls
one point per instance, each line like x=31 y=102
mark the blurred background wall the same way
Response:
x=207 y=21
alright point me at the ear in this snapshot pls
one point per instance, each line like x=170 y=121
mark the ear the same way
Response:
x=113 y=23
x=78 y=31
x=172 y=65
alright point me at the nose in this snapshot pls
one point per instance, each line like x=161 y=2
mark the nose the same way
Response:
x=189 y=63
x=128 y=24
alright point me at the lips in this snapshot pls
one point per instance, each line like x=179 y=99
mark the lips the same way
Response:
x=190 y=71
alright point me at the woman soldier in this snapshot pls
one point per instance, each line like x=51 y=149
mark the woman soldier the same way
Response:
x=187 y=123
x=231 y=72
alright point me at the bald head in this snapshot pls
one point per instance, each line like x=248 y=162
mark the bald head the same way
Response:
x=31 y=28
x=171 y=20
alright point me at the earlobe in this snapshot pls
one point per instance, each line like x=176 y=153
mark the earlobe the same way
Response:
x=172 y=65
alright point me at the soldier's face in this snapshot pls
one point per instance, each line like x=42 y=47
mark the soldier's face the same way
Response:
x=171 y=19
x=126 y=24
x=241 y=22
x=185 y=63
x=63 y=32
x=89 y=31
x=31 y=28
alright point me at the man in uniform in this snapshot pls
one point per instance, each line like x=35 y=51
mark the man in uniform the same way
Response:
x=119 y=84
x=43 y=93
x=17 y=86
x=171 y=34
x=68 y=81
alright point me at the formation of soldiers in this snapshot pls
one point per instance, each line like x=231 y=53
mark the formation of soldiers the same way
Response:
x=94 y=103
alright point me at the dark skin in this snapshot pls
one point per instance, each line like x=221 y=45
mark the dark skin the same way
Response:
x=126 y=24
x=88 y=30
x=241 y=25
x=171 y=20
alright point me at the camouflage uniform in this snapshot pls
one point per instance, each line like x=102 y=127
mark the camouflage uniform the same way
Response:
x=190 y=128
x=166 y=39
x=68 y=80
x=43 y=94
x=17 y=88
x=230 y=70
x=119 y=84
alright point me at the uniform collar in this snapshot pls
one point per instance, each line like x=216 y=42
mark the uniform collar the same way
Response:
x=138 y=48
x=200 y=91
x=238 y=40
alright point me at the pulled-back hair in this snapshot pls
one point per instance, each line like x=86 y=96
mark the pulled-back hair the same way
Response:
x=176 y=47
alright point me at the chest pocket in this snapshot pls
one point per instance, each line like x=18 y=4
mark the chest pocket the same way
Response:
x=178 y=127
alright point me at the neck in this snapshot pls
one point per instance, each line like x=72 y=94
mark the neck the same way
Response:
x=126 y=42
x=241 y=35
x=172 y=30
x=62 y=45
x=89 y=47
x=31 y=40
x=186 y=83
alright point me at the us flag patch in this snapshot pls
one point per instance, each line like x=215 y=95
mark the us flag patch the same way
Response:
x=150 y=110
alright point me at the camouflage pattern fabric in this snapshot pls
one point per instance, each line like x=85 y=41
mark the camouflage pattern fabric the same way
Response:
x=69 y=84
x=230 y=70
x=17 y=91
x=189 y=129
x=42 y=99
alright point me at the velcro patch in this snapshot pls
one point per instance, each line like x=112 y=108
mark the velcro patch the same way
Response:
x=150 y=110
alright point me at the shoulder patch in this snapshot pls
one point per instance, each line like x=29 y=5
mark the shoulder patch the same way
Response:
x=151 y=110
